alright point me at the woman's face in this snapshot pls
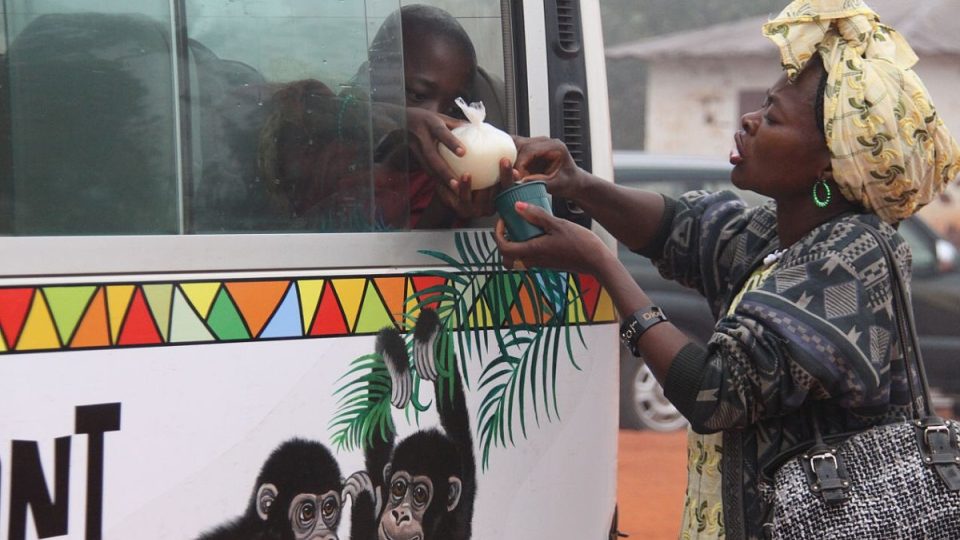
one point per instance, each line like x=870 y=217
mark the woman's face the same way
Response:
x=436 y=72
x=779 y=150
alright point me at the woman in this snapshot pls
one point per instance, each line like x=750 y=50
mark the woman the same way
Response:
x=847 y=138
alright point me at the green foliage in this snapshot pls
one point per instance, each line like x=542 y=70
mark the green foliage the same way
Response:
x=477 y=306
x=482 y=296
x=363 y=408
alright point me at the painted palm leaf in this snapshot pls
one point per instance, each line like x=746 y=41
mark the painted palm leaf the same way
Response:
x=363 y=407
x=523 y=316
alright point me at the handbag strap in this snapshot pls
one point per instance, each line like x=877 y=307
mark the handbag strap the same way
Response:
x=906 y=328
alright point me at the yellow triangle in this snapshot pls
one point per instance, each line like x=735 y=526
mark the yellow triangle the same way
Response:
x=605 y=311
x=118 y=299
x=350 y=293
x=310 y=290
x=201 y=295
x=3 y=344
x=409 y=305
x=38 y=331
x=481 y=317
x=575 y=313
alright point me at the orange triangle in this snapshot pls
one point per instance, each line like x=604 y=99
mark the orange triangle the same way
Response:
x=525 y=303
x=605 y=311
x=93 y=330
x=393 y=292
x=256 y=300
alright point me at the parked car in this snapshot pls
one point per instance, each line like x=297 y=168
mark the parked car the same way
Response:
x=935 y=290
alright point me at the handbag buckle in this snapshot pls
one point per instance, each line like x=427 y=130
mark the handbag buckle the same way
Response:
x=936 y=428
x=825 y=455
x=940 y=449
x=826 y=474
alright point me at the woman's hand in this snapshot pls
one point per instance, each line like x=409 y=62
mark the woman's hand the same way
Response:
x=542 y=158
x=468 y=204
x=565 y=246
x=426 y=129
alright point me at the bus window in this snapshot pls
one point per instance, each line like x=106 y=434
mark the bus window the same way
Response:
x=91 y=118
x=222 y=116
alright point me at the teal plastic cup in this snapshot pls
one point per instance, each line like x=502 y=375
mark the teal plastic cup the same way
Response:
x=535 y=193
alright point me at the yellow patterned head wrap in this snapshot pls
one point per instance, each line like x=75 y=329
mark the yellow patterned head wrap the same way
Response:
x=890 y=150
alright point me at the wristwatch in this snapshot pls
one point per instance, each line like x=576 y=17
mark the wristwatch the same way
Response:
x=635 y=325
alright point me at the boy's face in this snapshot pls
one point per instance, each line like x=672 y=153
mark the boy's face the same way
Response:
x=436 y=72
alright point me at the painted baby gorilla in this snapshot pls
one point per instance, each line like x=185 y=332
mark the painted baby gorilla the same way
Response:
x=298 y=495
x=427 y=482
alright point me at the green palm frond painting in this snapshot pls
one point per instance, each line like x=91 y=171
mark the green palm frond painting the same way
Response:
x=363 y=407
x=522 y=316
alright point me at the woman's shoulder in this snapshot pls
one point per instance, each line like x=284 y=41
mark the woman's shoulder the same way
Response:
x=850 y=240
x=723 y=206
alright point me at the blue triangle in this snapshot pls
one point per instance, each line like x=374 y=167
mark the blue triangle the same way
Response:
x=286 y=321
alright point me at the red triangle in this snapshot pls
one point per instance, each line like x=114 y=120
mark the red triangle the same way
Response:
x=139 y=328
x=589 y=293
x=421 y=283
x=14 y=304
x=329 y=319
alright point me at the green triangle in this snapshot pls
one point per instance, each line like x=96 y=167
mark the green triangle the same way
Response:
x=224 y=320
x=67 y=305
x=159 y=297
x=185 y=324
x=373 y=314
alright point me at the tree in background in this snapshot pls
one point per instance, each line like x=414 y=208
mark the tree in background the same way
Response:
x=630 y=20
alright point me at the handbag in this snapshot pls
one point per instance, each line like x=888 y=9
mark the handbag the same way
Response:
x=894 y=480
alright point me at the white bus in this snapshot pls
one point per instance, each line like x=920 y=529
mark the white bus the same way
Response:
x=181 y=356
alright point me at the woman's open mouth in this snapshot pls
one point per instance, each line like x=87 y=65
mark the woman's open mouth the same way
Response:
x=736 y=153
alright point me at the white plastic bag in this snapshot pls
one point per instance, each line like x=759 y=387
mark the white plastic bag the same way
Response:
x=485 y=146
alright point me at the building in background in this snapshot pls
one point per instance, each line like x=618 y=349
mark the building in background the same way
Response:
x=700 y=82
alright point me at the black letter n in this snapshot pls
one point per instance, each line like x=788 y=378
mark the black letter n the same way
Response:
x=28 y=487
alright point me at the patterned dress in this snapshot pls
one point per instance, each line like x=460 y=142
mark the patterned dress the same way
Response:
x=703 y=503
x=819 y=330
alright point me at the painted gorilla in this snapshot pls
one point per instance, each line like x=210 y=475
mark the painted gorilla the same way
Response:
x=298 y=495
x=427 y=482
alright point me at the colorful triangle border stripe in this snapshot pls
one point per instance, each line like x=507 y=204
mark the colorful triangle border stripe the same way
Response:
x=139 y=314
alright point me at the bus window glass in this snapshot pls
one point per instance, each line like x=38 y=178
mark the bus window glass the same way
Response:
x=91 y=118
x=225 y=116
x=282 y=118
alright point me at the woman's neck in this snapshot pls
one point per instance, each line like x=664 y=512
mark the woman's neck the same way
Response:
x=797 y=218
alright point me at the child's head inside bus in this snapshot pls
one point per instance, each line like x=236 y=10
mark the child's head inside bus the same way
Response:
x=315 y=154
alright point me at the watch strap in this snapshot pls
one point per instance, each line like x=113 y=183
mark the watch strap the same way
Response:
x=635 y=325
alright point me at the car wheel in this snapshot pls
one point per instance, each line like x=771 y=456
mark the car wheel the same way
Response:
x=642 y=403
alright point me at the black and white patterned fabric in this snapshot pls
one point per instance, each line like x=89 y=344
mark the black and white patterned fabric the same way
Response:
x=891 y=494
x=820 y=328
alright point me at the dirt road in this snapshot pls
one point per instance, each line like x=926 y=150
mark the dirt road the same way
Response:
x=651 y=480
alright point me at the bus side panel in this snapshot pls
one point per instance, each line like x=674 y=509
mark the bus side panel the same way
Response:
x=176 y=430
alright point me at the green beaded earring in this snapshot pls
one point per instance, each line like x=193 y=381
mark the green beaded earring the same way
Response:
x=821 y=203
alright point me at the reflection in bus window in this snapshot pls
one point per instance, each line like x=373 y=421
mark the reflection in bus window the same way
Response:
x=123 y=120
x=91 y=118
